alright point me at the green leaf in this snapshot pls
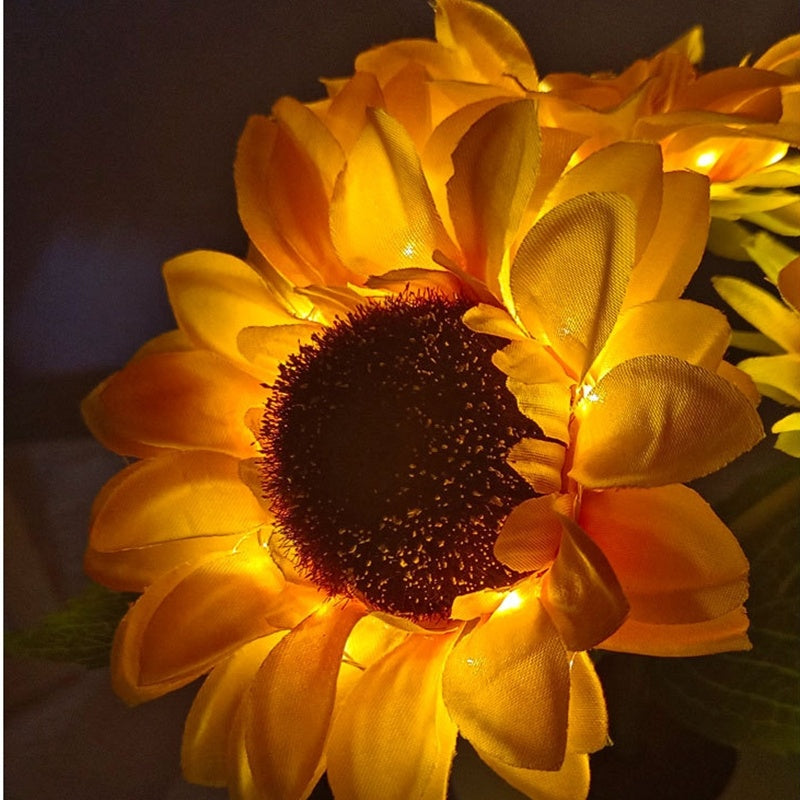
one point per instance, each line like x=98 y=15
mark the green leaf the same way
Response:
x=81 y=633
x=752 y=698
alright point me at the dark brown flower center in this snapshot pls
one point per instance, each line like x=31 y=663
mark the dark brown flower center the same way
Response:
x=384 y=456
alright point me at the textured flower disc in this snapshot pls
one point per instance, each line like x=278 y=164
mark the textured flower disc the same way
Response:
x=385 y=445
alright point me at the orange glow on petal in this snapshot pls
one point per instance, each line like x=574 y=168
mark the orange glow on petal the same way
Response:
x=506 y=685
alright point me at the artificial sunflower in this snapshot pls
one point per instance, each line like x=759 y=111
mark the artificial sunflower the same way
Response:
x=776 y=370
x=736 y=125
x=399 y=469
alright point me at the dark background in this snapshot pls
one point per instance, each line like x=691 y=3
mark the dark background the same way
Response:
x=121 y=122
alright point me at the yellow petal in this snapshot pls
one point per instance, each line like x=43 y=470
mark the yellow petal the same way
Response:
x=789 y=283
x=531 y=534
x=135 y=570
x=382 y=212
x=656 y=420
x=684 y=329
x=210 y=720
x=491 y=320
x=194 y=400
x=370 y=640
x=538 y=382
x=190 y=620
x=315 y=139
x=182 y=495
x=588 y=718
x=569 y=782
x=777 y=377
x=627 y=168
x=570 y=273
x=347 y=113
x=762 y=310
x=491 y=45
x=540 y=462
x=788 y=430
x=506 y=686
x=676 y=245
x=581 y=592
x=393 y=738
x=718 y=635
x=676 y=560
x=436 y=157
x=283 y=203
x=214 y=295
x=495 y=167
x=267 y=348
x=407 y=97
x=291 y=702
x=741 y=380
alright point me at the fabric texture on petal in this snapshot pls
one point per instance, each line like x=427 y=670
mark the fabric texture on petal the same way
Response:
x=581 y=593
x=691 y=639
x=193 y=400
x=214 y=296
x=217 y=604
x=531 y=534
x=676 y=560
x=382 y=212
x=656 y=420
x=495 y=167
x=569 y=782
x=506 y=685
x=393 y=738
x=204 y=747
x=292 y=700
x=575 y=294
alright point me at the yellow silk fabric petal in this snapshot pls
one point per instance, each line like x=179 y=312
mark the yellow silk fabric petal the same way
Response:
x=371 y=639
x=718 y=635
x=483 y=318
x=283 y=203
x=195 y=400
x=788 y=430
x=542 y=389
x=684 y=329
x=777 y=377
x=210 y=720
x=292 y=700
x=214 y=295
x=491 y=45
x=540 y=462
x=626 y=168
x=347 y=113
x=676 y=560
x=407 y=98
x=570 y=273
x=495 y=166
x=191 y=619
x=581 y=592
x=436 y=156
x=506 y=685
x=789 y=283
x=677 y=243
x=588 y=717
x=135 y=570
x=762 y=310
x=569 y=782
x=393 y=738
x=382 y=212
x=181 y=495
x=316 y=140
x=267 y=348
x=656 y=420
x=531 y=534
